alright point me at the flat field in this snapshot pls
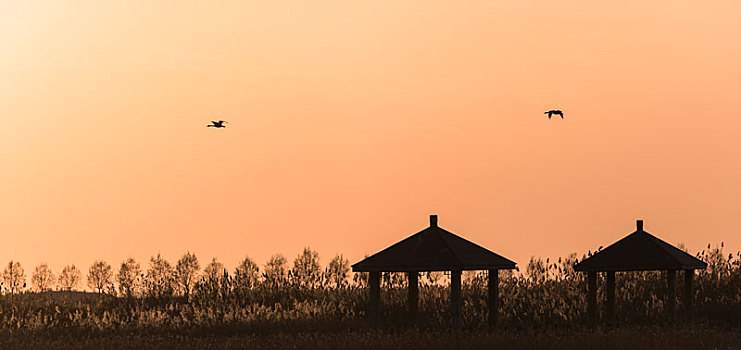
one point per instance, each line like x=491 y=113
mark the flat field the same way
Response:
x=622 y=338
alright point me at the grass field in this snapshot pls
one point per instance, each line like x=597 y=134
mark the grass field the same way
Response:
x=541 y=308
x=621 y=338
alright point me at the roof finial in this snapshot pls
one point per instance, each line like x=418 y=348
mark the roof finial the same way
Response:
x=639 y=225
x=433 y=220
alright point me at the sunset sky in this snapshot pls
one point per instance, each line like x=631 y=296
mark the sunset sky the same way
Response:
x=350 y=122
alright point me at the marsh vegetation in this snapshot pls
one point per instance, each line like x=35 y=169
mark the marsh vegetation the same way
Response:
x=304 y=305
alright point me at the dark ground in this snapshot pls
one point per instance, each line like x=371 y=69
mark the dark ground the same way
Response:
x=643 y=338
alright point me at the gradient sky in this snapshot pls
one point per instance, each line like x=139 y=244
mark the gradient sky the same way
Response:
x=352 y=121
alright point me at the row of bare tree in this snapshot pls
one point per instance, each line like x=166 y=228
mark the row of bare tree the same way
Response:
x=162 y=278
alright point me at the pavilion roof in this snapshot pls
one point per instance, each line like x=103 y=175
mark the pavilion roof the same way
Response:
x=640 y=251
x=433 y=249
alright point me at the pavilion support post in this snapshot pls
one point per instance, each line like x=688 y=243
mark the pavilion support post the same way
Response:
x=374 y=284
x=455 y=298
x=413 y=277
x=671 y=295
x=493 y=297
x=689 y=294
x=592 y=297
x=610 y=297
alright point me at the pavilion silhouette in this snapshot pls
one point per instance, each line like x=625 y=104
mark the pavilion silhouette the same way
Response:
x=639 y=251
x=434 y=249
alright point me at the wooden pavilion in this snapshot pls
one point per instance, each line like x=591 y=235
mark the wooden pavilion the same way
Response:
x=639 y=251
x=434 y=249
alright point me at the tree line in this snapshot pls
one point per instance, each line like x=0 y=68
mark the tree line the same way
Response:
x=161 y=278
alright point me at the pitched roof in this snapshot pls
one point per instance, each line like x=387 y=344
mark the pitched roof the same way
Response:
x=433 y=249
x=640 y=251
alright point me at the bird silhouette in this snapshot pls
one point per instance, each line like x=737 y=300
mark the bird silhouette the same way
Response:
x=215 y=124
x=552 y=112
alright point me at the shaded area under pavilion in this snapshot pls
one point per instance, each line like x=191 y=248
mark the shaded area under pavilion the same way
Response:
x=434 y=249
x=639 y=251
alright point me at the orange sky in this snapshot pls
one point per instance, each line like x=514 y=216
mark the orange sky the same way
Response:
x=352 y=121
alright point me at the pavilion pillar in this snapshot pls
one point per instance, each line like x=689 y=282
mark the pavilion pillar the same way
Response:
x=374 y=284
x=455 y=298
x=592 y=297
x=493 y=297
x=671 y=295
x=688 y=293
x=413 y=278
x=610 y=297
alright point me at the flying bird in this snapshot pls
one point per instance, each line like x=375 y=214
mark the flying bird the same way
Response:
x=552 y=112
x=215 y=124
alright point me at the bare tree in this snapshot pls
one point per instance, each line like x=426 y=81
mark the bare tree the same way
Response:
x=247 y=273
x=306 y=267
x=99 y=275
x=214 y=270
x=160 y=280
x=69 y=278
x=42 y=278
x=128 y=277
x=216 y=280
x=14 y=278
x=275 y=270
x=186 y=271
x=337 y=270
